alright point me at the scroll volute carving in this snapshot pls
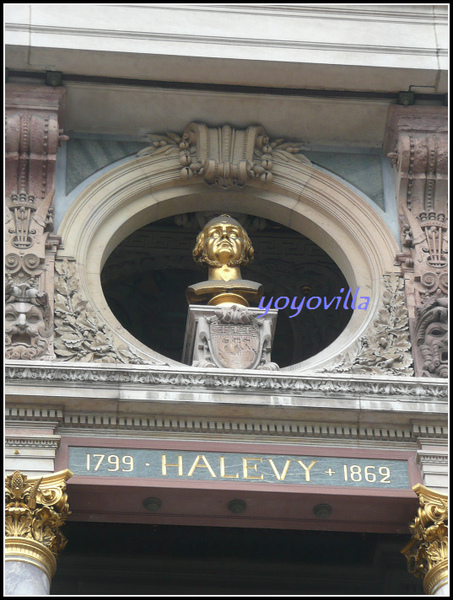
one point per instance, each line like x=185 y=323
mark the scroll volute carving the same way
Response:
x=417 y=145
x=32 y=139
x=223 y=155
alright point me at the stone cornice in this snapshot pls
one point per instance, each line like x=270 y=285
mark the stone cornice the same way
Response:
x=146 y=401
x=223 y=40
x=188 y=377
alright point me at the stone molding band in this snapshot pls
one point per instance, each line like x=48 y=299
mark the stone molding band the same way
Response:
x=31 y=552
x=20 y=371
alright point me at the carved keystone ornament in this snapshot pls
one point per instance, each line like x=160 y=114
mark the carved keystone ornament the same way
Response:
x=224 y=155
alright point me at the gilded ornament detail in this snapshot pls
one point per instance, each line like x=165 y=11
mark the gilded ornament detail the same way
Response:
x=427 y=552
x=35 y=509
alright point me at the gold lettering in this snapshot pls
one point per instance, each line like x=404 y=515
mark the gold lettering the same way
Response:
x=165 y=464
x=205 y=466
x=222 y=469
x=307 y=469
x=246 y=467
x=285 y=469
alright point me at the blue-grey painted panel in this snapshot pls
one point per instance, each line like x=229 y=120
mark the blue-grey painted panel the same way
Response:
x=233 y=467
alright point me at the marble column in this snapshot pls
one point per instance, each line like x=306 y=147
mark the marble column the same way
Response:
x=36 y=508
x=427 y=552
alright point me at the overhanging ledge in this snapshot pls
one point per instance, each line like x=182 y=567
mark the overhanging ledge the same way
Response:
x=137 y=389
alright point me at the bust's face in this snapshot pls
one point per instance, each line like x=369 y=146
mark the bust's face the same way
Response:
x=224 y=241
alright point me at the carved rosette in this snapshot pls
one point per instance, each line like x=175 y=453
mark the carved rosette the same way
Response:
x=32 y=139
x=418 y=144
x=35 y=510
x=225 y=156
x=427 y=552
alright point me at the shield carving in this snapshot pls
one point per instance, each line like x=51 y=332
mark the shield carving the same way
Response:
x=235 y=346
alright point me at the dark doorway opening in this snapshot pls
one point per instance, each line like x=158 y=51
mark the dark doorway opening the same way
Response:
x=138 y=559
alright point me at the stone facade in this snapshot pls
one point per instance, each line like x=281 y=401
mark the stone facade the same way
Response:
x=224 y=125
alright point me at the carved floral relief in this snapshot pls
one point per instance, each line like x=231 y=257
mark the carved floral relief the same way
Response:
x=32 y=139
x=386 y=348
x=79 y=336
x=418 y=142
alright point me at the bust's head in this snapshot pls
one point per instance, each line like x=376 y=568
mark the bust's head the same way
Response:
x=223 y=241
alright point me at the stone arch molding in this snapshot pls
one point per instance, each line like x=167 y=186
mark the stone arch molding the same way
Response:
x=229 y=170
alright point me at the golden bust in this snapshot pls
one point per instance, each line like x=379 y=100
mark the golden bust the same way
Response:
x=224 y=246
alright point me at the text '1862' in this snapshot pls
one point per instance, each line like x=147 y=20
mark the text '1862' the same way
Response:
x=228 y=466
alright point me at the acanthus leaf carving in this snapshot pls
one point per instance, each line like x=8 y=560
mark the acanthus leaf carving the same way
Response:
x=37 y=508
x=32 y=138
x=386 y=349
x=79 y=336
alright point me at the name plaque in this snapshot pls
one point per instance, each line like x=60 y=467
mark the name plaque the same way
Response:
x=233 y=467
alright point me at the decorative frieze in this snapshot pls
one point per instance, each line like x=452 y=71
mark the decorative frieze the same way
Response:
x=427 y=552
x=82 y=423
x=32 y=139
x=417 y=145
x=201 y=379
x=233 y=427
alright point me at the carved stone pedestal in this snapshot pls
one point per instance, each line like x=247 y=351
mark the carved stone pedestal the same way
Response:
x=231 y=337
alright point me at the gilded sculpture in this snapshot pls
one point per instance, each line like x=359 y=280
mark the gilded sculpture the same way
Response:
x=226 y=333
x=224 y=246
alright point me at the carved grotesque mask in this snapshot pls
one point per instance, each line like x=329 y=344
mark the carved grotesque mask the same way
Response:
x=432 y=337
x=26 y=328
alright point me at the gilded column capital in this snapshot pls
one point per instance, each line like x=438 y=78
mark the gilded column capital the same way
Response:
x=427 y=552
x=35 y=510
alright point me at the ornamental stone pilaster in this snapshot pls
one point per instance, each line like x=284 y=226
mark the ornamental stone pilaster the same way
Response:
x=35 y=510
x=32 y=137
x=416 y=142
x=427 y=552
